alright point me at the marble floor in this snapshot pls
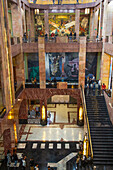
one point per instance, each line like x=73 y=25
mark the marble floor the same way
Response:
x=52 y=133
x=56 y=143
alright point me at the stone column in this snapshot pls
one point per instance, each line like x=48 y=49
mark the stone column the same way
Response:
x=104 y=20
x=100 y=21
x=9 y=54
x=77 y=18
x=95 y=24
x=82 y=61
x=42 y=71
x=46 y=21
x=32 y=23
x=5 y=57
x=91 y=23
x=105 y=68
x=24 y=21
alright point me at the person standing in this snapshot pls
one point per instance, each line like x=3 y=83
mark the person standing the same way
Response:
x=8 y=158
x=24 y=163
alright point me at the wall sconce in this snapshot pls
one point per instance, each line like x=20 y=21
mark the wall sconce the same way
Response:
x=81 y=116
x=36 y=11
x=85 y=146
x=43 y=112
x=80 y=113
x=87 y=10
x=43 y=120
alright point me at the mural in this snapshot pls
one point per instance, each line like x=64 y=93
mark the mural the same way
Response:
x=33 y=66
x=91 y=65
x=62 y=65
x=84 y=25
x=39 y=25
x=62 y=24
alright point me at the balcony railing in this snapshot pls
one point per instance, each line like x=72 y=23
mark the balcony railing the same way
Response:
x=61 y=39
x=15 y=40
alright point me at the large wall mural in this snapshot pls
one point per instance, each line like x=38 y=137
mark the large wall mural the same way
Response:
x=62 y=65
x=61 y=24
x=33 y=66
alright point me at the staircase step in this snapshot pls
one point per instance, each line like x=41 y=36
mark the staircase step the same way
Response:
x=102 y=163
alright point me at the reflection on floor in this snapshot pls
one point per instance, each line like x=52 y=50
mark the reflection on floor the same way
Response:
x=52 y=133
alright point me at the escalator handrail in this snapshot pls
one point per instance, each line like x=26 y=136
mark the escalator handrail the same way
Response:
x=85 y=112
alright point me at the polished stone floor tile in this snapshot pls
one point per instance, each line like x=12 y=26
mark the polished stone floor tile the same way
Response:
x=58 y=145
x=21 y=146
x=34 y=146
x=42 y=146
x=77 y=145
x=67 y=146
x=50 y=145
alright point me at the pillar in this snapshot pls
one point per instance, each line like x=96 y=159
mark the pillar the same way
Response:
x=105 y=68
x=91 y=23
x=95 y=23
x=82 y=61
x=24 y=20
x=6 y=58
x=46 y=21
x=42 y=71
x=104 y=20
x=32 y=23
x=100 y=21
x=77 y=19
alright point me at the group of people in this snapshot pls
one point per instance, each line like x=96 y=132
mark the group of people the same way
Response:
x=13 y=158
x=91 y=85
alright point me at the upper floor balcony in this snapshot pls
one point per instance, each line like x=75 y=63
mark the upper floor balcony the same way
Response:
x=62 y=44
x=60 y=2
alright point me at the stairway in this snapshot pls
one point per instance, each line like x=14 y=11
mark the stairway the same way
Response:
x=101 y=130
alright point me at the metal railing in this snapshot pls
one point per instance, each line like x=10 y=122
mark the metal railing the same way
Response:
x=18 y=91
x=3 y=112
x=87 y=121
x=61 y=39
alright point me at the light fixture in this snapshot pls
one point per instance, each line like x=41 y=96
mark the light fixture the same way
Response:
x=43 y=112
x=15 y=133
x=85 y=146
x=87 y=10
x=80 y=113
x=36 y=11
x=43 y=120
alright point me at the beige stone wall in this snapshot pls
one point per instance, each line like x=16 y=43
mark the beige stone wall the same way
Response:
x=16 y=20
x=105 y=68
x=19 y=63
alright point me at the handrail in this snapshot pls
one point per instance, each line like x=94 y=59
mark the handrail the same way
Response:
x=3 y=112
x=85 y=112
